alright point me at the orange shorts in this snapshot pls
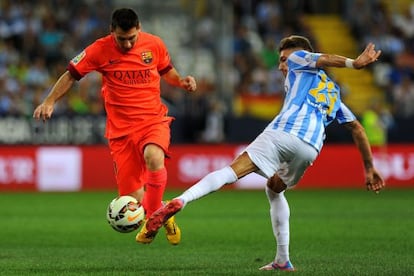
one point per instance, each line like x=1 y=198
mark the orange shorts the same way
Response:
x=128 y=155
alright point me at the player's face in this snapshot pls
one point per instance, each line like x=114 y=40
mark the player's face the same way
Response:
x=284 y=54
x=125 y=39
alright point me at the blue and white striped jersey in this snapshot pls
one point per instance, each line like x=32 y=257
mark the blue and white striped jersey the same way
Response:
x=312 y=101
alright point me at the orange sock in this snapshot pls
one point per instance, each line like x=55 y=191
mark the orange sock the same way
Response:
x=154 y=190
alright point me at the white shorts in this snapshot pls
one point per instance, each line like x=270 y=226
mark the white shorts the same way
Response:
x=275 y=151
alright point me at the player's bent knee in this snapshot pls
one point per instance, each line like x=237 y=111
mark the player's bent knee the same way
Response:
x=276 y=184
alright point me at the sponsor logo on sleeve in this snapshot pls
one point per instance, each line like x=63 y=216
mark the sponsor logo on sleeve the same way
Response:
x=78 y=58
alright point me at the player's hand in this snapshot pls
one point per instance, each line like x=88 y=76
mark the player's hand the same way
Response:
x=369 y=55
x=43 y=111
x=188 y=83
x=374 y=181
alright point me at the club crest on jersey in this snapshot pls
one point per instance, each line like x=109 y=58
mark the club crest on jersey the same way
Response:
x=146 y=57
x=79 y=57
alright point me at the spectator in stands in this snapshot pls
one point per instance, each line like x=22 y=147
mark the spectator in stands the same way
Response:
x=269 y=55
x=376 y=121
x=37 y=73
x=403 y=98
x=405 y=22
x=51 y=39
x=214 y=131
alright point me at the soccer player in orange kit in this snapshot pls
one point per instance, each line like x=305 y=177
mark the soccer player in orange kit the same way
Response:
x=131 y=63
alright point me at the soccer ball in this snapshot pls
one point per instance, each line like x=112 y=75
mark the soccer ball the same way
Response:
x=125 y=214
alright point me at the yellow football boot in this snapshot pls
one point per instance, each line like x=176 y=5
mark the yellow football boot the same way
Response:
x=172 y=231
x=144 y=236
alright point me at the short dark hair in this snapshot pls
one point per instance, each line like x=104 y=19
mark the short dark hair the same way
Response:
x=125 y=19
x=295 y=41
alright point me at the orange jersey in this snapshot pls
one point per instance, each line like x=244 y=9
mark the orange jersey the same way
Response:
x=130 y=81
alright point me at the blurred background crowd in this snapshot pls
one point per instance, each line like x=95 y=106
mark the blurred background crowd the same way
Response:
x=230 y=46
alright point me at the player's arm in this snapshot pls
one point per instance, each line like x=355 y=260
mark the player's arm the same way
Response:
x=373 y=178
x=369 y=55
x=61 y=87
x=173 y=78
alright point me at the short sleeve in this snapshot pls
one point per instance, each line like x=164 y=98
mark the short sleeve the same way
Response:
x=303 y=60
x=344 y=115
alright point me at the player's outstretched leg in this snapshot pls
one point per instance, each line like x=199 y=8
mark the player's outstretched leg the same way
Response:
x=161 y=216
x=172 y=232
x=274 y=266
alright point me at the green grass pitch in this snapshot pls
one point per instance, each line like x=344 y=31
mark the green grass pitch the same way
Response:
x=333 y=232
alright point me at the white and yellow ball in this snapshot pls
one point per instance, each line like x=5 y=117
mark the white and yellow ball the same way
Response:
x=125 y=214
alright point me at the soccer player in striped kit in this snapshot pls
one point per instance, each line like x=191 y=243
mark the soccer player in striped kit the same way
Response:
x=292 y=140
x=132 y=63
